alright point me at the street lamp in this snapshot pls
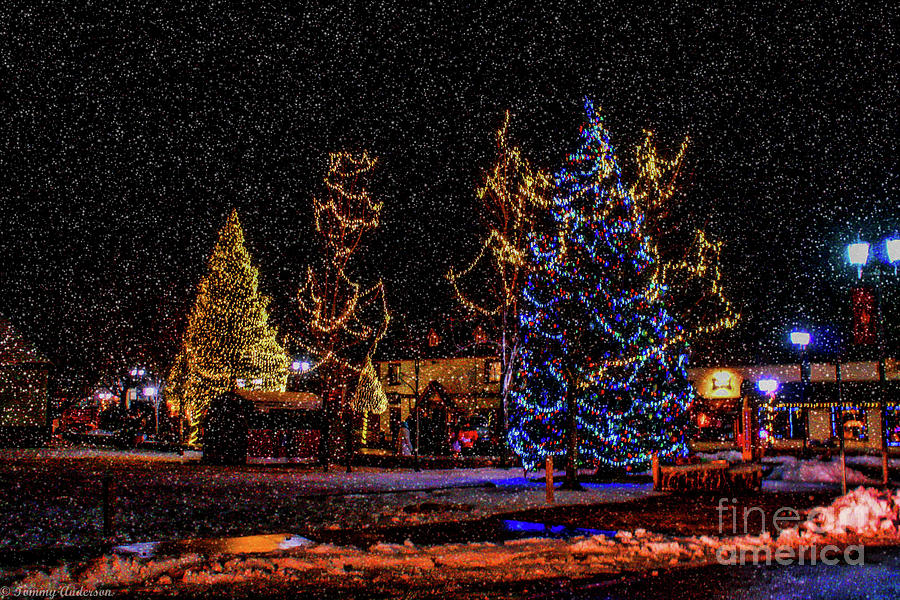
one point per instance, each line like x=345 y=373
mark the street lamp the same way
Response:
x=892 y=249
x=767 y=386
x=801 y=339
x=858 y=256
x=153 y=394
x=300 y=366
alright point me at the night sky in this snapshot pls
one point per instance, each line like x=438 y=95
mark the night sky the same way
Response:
x=130 y=132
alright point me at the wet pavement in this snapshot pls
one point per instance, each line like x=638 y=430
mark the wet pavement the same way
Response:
x=877 y=578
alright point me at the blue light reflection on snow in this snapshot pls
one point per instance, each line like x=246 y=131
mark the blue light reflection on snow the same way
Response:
x=552 y=531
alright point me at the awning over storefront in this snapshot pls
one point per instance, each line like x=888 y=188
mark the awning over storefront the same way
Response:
x=825 y=394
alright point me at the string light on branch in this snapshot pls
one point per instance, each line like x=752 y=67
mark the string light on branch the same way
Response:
x=343 y=319
x=511 y=194
x=604 y=362
x=228 y=338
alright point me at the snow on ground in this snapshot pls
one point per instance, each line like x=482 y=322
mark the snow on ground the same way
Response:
x=789 y=468
x=729 y=455
x=813 y=470
x=111 y=454
x=866 y=513
x=871 y=461
x=57 y=502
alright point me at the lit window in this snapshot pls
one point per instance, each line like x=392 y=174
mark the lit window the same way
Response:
x=393 y=374
x=492 y=371
x=855 y=423
x=786 y=423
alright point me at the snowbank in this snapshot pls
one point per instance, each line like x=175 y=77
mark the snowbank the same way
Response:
x=793 y=469
x=864 y=511
x=729 y=455
x=790 y=468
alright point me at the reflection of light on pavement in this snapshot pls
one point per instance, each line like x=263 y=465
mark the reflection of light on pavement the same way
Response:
x=250 y=544
x=553 y=531
x=141 y=549
x=293 y=541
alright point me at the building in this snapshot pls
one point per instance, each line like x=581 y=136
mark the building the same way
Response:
x=260 y=426
x=457 y=381
x=465 y=390
x=453 y=393
x=24 y=373
x=795 y=414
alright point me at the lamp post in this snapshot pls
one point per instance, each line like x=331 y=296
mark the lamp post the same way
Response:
x=152 y=393
x=413 y=386
x=801 y=339
x=840 y=390
x=769 y=387
x=858 y=255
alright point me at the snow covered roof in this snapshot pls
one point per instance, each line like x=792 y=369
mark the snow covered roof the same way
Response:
x=852 y=393
x=281 y=400
x=15 y=349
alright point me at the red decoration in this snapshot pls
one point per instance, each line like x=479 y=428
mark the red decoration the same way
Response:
x=863 y=306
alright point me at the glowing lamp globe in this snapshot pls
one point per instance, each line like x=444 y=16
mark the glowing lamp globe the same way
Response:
x=858 y=253
x=892 y=246
x=150 y=391
x=296 y=365
x=800 y=338
x=767 y=386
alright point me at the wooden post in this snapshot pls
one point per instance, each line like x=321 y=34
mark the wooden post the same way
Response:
x=654 y=465
x=549 y=479
x=747 y=426
x=107 y=505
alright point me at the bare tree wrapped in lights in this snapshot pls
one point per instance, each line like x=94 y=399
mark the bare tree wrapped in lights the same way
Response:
x=491 y=284
x=687 y=258
x=342 y=319
x=228 y=342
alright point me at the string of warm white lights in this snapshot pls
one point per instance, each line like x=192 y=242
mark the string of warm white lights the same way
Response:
x=228 y=341
x=343 y=320
x=512 y=191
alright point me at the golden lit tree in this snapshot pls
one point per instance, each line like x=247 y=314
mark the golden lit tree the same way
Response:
x=490 y=285
x=228 y=342
x=342 y=319
x=688 y=261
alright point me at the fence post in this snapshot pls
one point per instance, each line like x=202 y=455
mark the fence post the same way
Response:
x=107 y=505
x=549 y=479
x=654 y=462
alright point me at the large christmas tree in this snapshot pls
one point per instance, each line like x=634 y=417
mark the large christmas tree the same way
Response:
x=604 y=377
x=228 y=342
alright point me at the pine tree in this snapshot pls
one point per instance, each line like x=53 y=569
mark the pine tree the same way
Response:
x=604 y=377
x=228 y=342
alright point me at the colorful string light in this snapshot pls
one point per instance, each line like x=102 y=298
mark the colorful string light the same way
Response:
x=598 y=335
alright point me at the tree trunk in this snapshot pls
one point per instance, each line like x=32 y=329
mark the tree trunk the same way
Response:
x=571 y=480
x=334 y=446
